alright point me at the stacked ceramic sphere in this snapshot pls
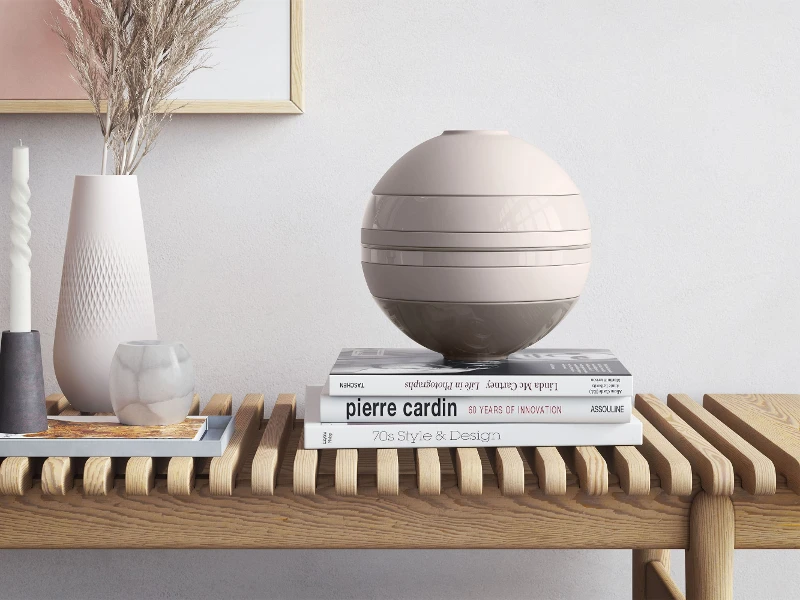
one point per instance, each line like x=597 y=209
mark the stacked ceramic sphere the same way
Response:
x=476 y=244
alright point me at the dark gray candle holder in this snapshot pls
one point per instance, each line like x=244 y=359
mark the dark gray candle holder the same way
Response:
x=22 y=403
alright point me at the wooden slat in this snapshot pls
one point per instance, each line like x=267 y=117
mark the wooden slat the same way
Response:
x=55 y=403
x=194 y=409
x=98 y=476
x=220 y=404
x=388 y=472
x=756 y=470
x=659 y=583
x=69 y=412
x=347 y=472
x=16 y=476
x=672 y=468
x=592 y=470
x=272 y=448
x=550 y=468
x=181 y=469
x=304 y=475
x=225 y=468
x=469 y=470
x=766 y=424
x=716 y=471
x=57 y=475
x=429 y=471
x=139 y=476
x=632 y=469
x=180 y=476
x=510 y=471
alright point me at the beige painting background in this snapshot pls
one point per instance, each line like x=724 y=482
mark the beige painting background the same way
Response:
x=32 y=62
x=250 y=57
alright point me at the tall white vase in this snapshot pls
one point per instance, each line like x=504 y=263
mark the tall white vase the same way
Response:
x=106 y=296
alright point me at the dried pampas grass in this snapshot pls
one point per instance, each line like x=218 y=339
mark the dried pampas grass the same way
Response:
x=130 y=56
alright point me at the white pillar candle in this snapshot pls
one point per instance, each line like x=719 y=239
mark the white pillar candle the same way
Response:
x=20 y=290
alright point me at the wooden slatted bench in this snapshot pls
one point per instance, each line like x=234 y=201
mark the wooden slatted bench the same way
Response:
x=708 y=478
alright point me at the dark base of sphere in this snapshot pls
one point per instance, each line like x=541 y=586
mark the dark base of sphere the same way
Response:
x=474 y=332
x=22 y=403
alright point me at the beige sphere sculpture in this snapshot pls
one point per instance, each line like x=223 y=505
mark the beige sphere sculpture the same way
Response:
x=475 y=244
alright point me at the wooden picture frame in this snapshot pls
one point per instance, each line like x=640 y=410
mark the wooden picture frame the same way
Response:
x=292 y=105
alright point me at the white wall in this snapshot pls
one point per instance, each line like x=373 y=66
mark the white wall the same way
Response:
x=680 y=123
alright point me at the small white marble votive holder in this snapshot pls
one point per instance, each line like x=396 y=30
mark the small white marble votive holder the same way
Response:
x=151 y=383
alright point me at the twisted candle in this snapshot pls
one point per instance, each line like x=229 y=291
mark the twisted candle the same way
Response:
x=20 y=289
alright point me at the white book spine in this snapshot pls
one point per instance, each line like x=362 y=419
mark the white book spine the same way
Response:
x=481 y=385
x=460 y=409
x=470 y=435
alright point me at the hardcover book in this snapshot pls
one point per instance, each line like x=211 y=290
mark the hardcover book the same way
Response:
x=530 y=372
x=470 y=435
x=319 y=435
x=470 y=409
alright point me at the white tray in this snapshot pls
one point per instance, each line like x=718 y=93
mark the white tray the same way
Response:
x=213 y=443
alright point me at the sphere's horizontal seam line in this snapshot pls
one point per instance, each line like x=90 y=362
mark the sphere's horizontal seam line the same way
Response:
x=382 y=194
x=477 y=232
x=475 y=249
x=500 y=302
x=366 y=262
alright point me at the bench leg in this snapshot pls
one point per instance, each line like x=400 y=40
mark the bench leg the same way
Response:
x=709 y=560
x=640 y=560
x=651 y=578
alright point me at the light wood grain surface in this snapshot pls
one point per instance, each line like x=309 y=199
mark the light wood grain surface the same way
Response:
x=640 y=561
x=139 y=476
x=632 y=469
x=550 y=468
x=272 y=448
x=224 y=469
x=767 y=521
x=469 y=470
x=305 y=467
x=429 y=474
x=16 y=475
x=533 y=520
x=592 y=470
x=347 y=472
x=709 y=559
x=510 y=471
x=660 y=585
x=181 y=469
x=319 y=516
x=770 y=422
x=387 y=472
x=715 y=470
x=672 y=468
x=327 y=520
x=55 y=403
x=98 y=476
x=755 y=469
x=58 y=475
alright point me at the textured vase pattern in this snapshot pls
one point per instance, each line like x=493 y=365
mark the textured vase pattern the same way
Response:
x=105 y=289
x=106 y=296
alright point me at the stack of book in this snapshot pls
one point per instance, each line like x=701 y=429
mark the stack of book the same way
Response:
x=407 y=398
